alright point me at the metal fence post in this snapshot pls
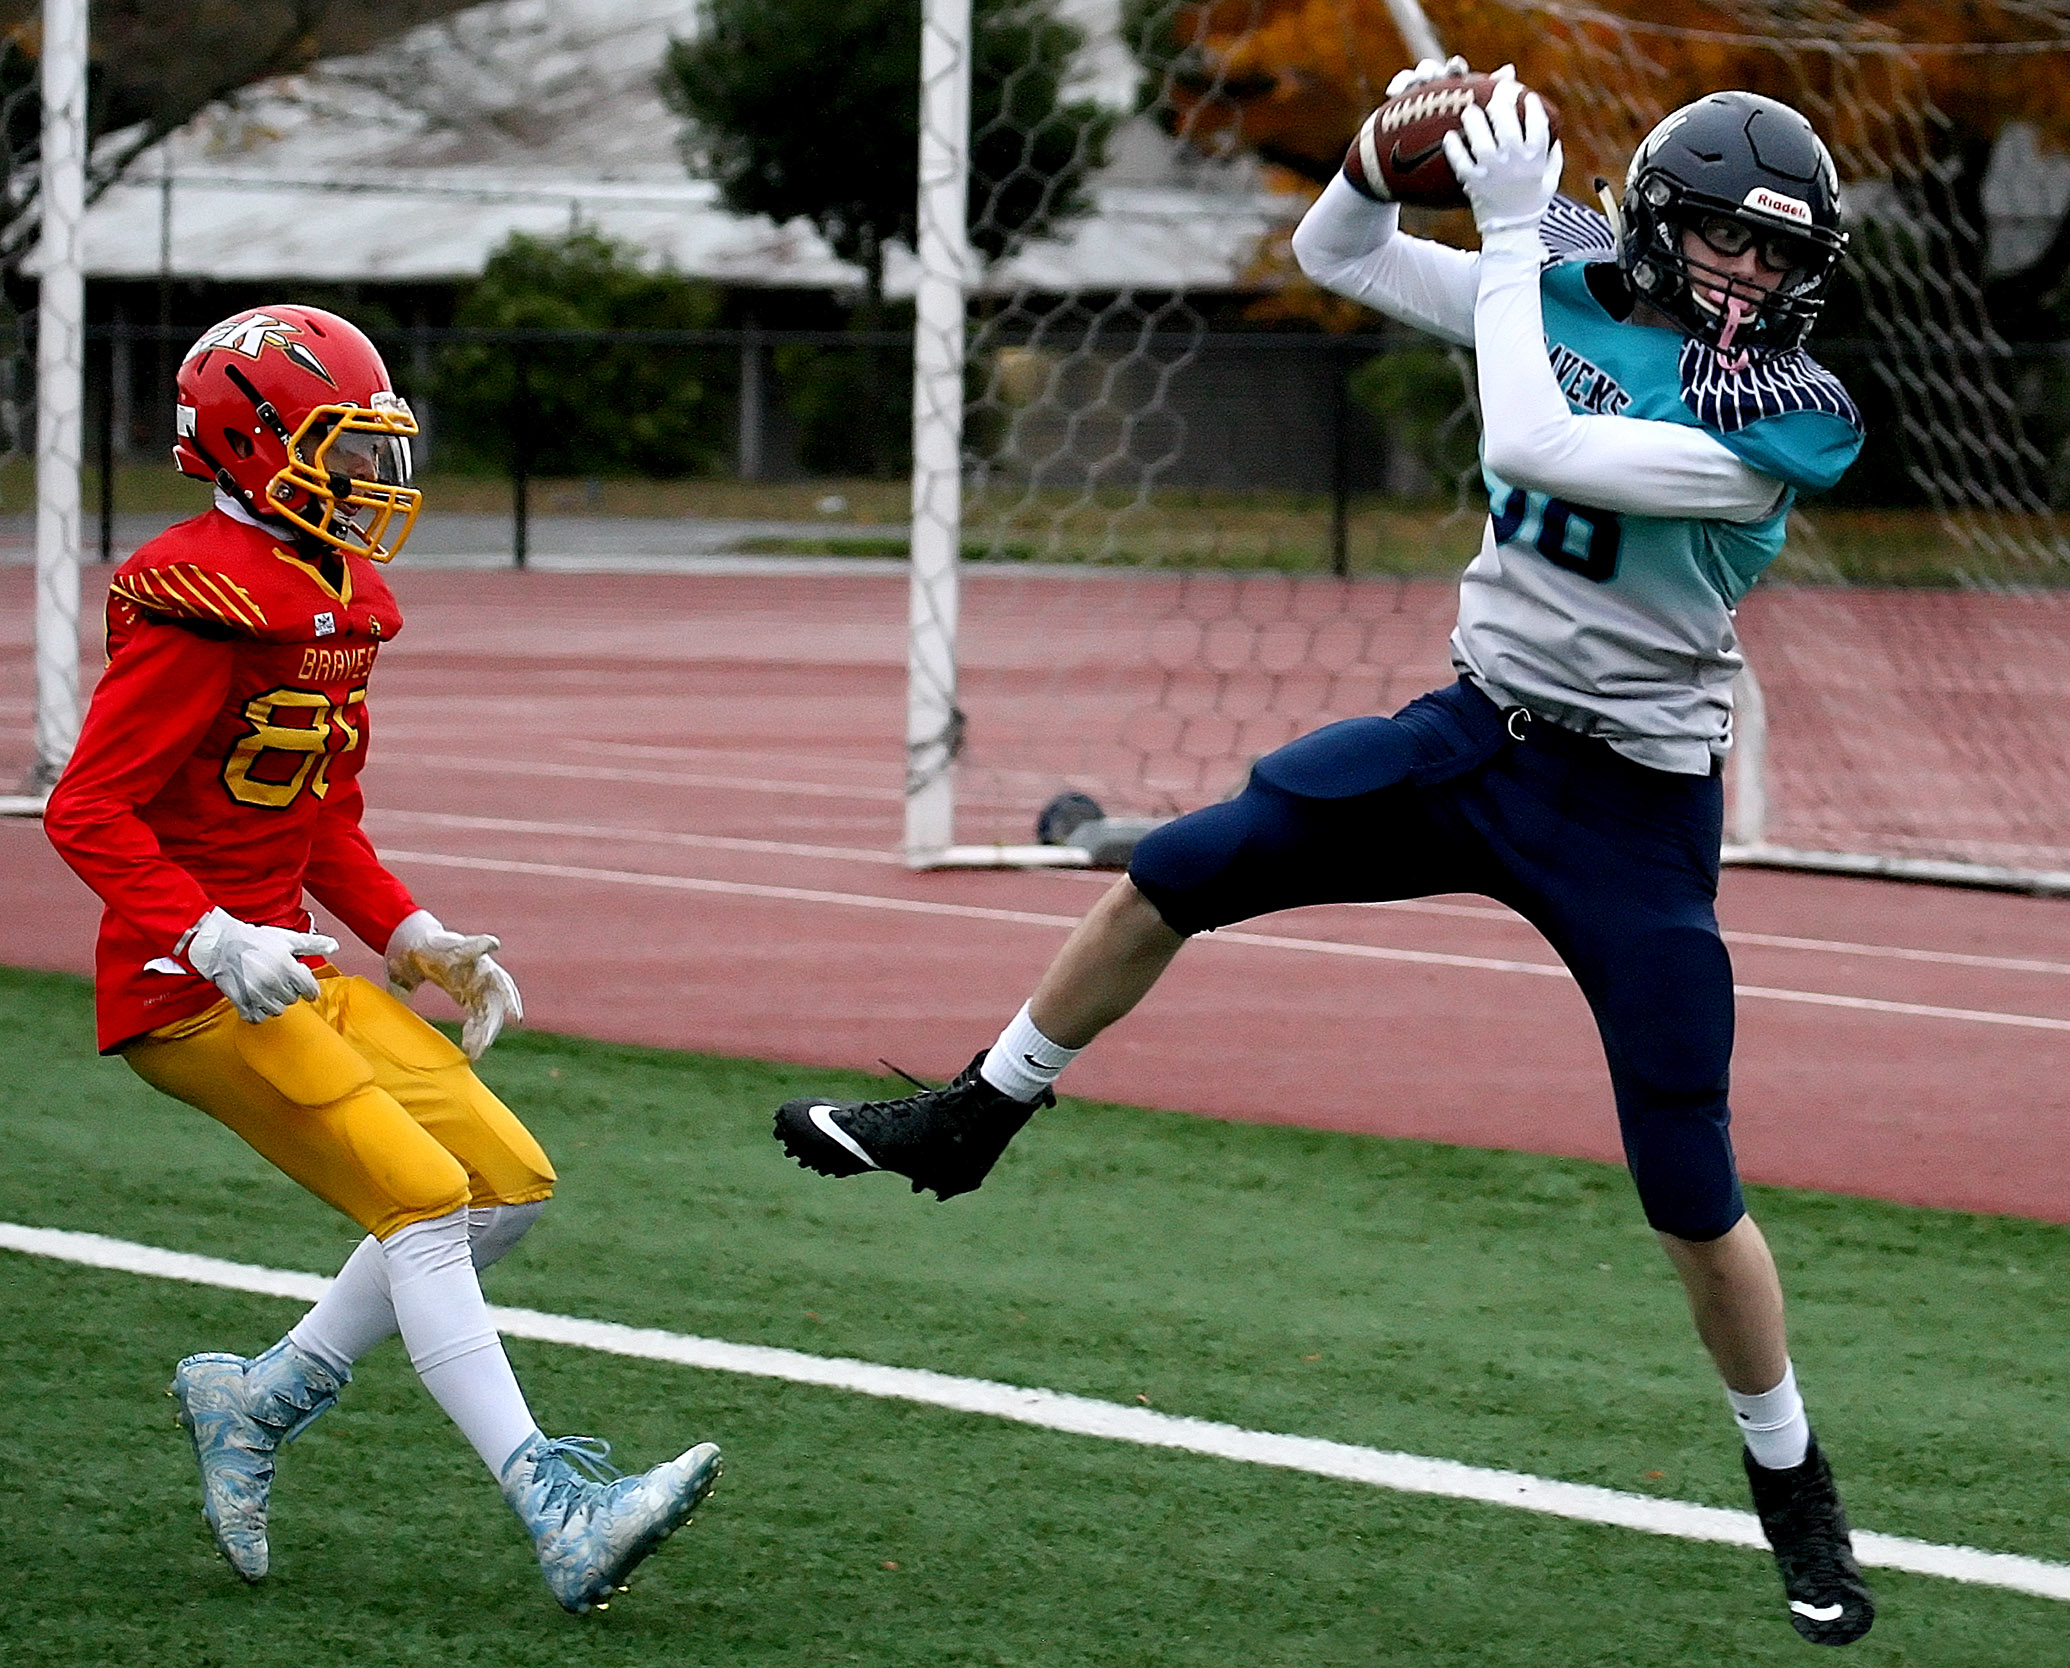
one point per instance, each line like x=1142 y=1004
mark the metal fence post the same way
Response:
x=750 y=459
x=1340 y=464
x=106 y=449
x=520 y=454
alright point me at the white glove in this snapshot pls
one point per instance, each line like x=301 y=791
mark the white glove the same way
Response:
x=421 y=949
x=1431 y=69
x=1508 y=166
x=254 y=966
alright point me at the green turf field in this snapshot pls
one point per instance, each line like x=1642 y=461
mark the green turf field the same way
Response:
x=1494 y=1308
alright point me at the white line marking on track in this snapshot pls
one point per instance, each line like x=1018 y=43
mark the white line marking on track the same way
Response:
x=1763 y=940
x=618 y=773
x=640 y=836
x=1270 y=941
x=1085 y=1416
x=1893 y=952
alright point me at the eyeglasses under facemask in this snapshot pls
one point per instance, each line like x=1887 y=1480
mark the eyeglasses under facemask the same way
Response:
x=1776 y=251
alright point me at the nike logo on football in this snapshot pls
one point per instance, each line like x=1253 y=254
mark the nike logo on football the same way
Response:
x=1817 y=1612
x=1414 y=160
x=823 y=1120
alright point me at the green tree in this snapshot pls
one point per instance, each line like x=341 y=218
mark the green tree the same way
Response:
x=583 y=408
x=810 y=109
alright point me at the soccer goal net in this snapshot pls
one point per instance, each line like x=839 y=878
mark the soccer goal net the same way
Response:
x=1173 y=507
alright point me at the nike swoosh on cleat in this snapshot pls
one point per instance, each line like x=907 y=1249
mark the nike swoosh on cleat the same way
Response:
x=823 y=1120
x=1817 y=1612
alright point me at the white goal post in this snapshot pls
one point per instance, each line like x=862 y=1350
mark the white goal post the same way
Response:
x=60 y=389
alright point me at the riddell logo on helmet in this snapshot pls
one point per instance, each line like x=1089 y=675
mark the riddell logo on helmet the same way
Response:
x=251 y=334
x=1774 y=202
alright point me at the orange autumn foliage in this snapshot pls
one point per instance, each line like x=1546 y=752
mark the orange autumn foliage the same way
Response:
x=1291 y=79
x=1893 y=85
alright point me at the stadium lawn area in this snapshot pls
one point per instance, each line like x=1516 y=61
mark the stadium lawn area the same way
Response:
x=1496 y=1308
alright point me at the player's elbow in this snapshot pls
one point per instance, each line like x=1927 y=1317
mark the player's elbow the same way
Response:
x=76 y=822
x=65 y=818
x=1318 y=259
x=1521 y=457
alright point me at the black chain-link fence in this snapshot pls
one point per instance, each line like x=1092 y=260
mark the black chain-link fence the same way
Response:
x=1303 y=452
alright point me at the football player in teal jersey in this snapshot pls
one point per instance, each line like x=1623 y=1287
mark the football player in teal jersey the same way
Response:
x=1649 y=415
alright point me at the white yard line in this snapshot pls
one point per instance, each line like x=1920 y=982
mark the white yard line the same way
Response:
x=1271 y=941
x=1084 y=1416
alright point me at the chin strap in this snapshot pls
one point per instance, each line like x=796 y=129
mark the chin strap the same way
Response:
x=1737 y=312
x=226 y=482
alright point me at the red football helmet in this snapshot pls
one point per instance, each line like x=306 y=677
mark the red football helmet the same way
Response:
x=290 y=411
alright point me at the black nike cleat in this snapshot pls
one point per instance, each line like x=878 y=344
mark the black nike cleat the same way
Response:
x=947 y=1138
x=1805 y=1523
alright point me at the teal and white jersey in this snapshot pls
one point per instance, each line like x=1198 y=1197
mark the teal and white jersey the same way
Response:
x=1619 y=624
x=1647 y=488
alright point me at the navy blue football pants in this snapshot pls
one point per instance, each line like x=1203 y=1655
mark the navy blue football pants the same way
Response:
x=1616 y=864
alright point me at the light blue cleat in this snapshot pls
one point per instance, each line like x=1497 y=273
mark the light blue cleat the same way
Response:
x=591 y=1524
x=239 y=1412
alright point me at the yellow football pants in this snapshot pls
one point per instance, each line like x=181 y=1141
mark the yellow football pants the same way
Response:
x=356 y=1098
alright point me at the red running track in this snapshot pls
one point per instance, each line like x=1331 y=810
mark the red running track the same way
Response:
x=676 y=799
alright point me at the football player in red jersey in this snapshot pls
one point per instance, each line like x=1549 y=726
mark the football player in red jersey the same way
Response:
x=216 y=780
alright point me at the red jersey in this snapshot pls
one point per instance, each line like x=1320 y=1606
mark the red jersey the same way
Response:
x=219 y=763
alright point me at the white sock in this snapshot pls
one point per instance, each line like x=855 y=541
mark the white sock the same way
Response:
x=1024 y=1062
x=357 y=1313
x=445 y=1327
x=1777 y=1433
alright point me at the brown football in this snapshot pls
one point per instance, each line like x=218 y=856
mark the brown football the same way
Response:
x=1400 y=151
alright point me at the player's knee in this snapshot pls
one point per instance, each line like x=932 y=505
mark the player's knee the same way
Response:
x=427 y=1192
x=1698 y=1220
x=1180 y=867
x=1681 y=1161
x=494 y=1230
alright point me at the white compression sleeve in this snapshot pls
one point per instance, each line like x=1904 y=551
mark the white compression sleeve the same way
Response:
x=445 y=1326
x=1531 y=438
x=1352 y=245
x=357 y=1312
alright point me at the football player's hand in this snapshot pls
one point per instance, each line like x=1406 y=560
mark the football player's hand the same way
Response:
x=1431 y=69
x=254 y=966
x=421 y=950
x=1507 y=163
